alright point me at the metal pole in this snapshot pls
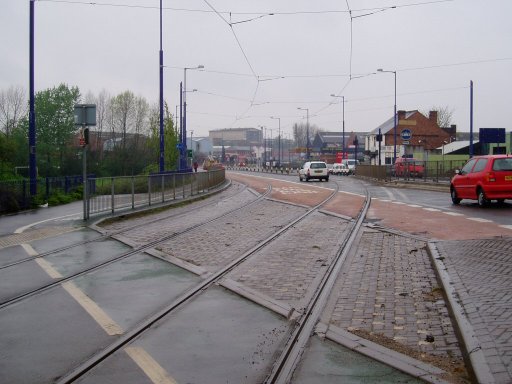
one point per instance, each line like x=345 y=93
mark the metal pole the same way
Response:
x=471 y=149
x=181 y=125
x=162 y=146
x=380 y=141
x=184 y=142
x=307 y=134
x=343 y=145
x=32 y=113
x=394 y=150
x=84 y=169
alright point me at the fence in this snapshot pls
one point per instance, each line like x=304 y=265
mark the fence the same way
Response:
x=435 y=171
x=15 y=194
x=113 y=194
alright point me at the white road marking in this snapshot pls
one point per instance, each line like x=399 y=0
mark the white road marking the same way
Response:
x=23 y=229
x=431 y=209
x=453 y=213
x=506 y=226
x=479 y=220
x=151 y=368
x=30 y=251
x=104 y=320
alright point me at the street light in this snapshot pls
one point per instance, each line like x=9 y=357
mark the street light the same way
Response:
x=394 y=144
x=307 y=130
x=184 y=133
x=279 y=142
x=343 y=143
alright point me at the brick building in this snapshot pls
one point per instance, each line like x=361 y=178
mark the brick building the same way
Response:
x=416 y=136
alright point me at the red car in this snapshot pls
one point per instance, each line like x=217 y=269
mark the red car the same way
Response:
x=408 y=167
x=483 y=178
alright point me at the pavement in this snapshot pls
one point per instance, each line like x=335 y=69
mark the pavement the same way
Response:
x=389 y=286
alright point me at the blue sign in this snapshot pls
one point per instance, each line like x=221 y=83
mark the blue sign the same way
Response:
x=179 y=146
x=406 y=134
x=492 y=135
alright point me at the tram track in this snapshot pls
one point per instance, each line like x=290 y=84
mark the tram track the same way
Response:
x=201 y=287
x=301 y=330
x=117 y=258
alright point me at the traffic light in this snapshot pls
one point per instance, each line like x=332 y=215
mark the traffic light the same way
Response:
x=86 y=136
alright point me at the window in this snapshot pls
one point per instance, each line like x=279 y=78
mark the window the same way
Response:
x=467 y=168
x=480 y=165
x=502 y=165
x=318 y=165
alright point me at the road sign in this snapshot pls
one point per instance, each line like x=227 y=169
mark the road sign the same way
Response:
x=85 y=114
x=406 y=134
x=189 y=153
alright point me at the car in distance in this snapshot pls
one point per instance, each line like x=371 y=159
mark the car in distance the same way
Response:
x=483 y=178
x=351 y=165
x=314 y=170
x=340 y=169
x=408 y=167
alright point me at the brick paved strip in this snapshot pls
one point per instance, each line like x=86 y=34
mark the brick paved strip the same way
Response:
x=481 y=275
x=470 y=340
x=388 y=287
x=32 y=235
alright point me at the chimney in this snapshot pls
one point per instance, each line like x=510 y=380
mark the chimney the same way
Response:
x=401 y=115
x=432 y=116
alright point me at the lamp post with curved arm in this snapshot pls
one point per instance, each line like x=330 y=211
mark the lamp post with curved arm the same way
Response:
x=307 y=131
x=395 y=117
x=184 y=128
x=343 y=138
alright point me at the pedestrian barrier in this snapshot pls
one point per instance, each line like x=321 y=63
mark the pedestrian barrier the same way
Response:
x=113 y=194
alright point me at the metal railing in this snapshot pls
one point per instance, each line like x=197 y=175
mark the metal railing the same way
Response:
x=114 y=194
x=15 y=194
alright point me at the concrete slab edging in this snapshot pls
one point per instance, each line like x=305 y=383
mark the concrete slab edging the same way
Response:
x=470 y=343
x=404 y=363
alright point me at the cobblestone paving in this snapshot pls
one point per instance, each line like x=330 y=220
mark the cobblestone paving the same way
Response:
x=286 y=269
x=230 y=237
x=388 y=286
x=481 y=271
x=171 y=222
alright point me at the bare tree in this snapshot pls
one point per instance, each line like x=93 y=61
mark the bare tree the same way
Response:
x=300 y=133
x=444 y=115
x=123 y=109
x=13 y=108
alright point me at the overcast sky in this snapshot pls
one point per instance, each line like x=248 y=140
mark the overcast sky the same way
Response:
x=268 y=58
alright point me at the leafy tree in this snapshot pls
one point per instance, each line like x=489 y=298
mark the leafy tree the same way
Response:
x=55 y=127
x=171 y=153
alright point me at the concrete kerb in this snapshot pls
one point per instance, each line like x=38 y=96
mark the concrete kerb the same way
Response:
x=472 y=350
x=404 y=363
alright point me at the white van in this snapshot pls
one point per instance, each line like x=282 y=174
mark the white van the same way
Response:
x=340 y=169
x=351 y=164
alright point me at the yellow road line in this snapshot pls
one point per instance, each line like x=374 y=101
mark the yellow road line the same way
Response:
x=30 y=251
x=104 y=320
x=151 y=368
x=45 y=265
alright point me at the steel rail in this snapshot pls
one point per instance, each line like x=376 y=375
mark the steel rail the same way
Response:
x=114 y=233
x=125 y=254
x=285 y=365
x=150 y=321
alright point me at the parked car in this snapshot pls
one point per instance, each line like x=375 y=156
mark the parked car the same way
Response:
x=483 y=178
x=313 y=170
x=340 y=169
x=351 y=165
x=408 y=167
